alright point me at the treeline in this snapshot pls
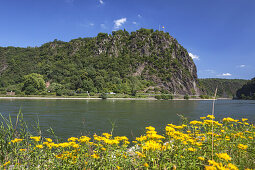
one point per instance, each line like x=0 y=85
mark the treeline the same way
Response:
x=120 y=62
x=226 y=87
x=247 y=92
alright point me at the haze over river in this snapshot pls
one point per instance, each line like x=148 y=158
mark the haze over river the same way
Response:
x=86 y=117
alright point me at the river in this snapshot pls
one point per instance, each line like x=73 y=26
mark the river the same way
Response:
x=86 y=117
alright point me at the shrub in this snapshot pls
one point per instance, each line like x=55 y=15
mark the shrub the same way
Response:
x=59 y=92
x=186 y=97
x=103 y=96
x=158 y=97
x=204 y=96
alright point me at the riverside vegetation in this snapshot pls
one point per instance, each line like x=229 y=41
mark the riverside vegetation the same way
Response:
x=120 y=62
x=191 y=145
x=247 y=92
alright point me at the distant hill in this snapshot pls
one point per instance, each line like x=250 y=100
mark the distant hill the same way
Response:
x=247 y=91
x=121 y=62
x=226 y=87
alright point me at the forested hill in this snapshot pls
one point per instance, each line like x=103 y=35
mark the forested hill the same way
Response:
x=119 y=62
x=226 y=87
x=247 y=91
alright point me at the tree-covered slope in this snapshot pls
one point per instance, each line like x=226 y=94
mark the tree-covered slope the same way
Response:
x=247 y=91
x=226 y=87
x=118 y=62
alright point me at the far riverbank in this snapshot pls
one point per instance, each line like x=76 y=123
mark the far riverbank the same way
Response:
x=82 y=98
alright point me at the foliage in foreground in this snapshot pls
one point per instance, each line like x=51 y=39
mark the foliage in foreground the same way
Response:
x=187 y=146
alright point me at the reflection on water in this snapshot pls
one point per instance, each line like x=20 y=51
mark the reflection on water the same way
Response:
x=86 y=117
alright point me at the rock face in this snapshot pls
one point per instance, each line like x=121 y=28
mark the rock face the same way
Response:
x=150 y=55
x=162 y=59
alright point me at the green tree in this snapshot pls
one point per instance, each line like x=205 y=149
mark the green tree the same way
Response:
x=33 y=84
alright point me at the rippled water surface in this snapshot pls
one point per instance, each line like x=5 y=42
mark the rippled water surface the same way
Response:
x=86 y=117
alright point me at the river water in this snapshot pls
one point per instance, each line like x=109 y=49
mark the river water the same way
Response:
x=128 y=117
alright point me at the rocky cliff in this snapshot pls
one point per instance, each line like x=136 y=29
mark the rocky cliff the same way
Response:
x=105 y=61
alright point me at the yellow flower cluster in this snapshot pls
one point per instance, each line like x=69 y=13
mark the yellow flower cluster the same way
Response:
x=106 y=138
x=243 y=147
x=36 y=138
x=16 y=140
x=230 y=140
x=229 y=119
x=224 y=156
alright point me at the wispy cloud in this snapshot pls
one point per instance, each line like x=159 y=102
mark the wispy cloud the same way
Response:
x=139 y=16
x=225 y=74
x=241 y=66
x=194 y=57
x=91 y=24
x=119 y=22
x=101 y=2
x=134 y=22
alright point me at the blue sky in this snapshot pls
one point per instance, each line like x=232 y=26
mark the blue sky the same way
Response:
x=218 y=34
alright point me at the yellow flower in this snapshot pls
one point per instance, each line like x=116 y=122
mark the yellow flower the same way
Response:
x=23 y=150
x=152 y=145
x=118 y=167
x=229 y=119
x=232 y=167
x=192 y=149
x=103 y=149
x=244 y=119
x=16 y=140
x=212 y=162
x=107 y=135
x=211 y=116
x=201 y=158
x=141 y=138
x=150 y=128
x=243 y=147
x=202 y=118
x=224 y=156
x=7 y=163
x=76 y=146
x=59 y=156
x=36 y=138
x=210 y=168
x=140 y=154
x=48 y=139
x=195 y=122
x=73 y=139
x=146 y=165
x=39 y=146
x=84 y=139
x=95 y=156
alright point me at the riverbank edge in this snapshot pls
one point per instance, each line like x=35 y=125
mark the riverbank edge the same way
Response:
x=74 y=98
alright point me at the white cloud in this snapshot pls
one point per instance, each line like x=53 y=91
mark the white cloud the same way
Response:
x=134 y=22
x=101 y=1
x=119 y=22
x=242 y=66
x=194 y=57
x=139 y=16
x=91 y=24
x=225 y=74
